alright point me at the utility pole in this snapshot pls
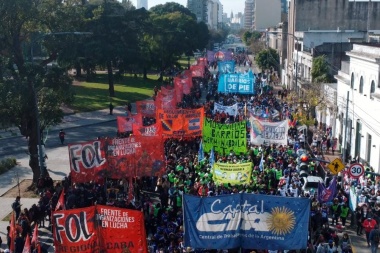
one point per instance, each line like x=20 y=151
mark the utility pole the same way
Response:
x=346 y=128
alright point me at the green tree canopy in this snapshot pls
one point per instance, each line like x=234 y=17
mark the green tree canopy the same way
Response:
x=320 y=70
x=267 y=59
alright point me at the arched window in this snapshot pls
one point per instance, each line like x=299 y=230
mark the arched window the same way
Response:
x=372 y=87
x=352 y=80
x=361 y=86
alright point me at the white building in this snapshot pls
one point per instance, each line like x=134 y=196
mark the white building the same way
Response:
x=359 y=83
x=142 y=4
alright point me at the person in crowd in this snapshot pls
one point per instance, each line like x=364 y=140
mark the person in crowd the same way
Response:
x=16 y=207
x=61 y=136
x=374 y=238
x=369 y=224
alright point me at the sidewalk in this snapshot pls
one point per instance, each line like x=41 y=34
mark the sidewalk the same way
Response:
x=75 y=120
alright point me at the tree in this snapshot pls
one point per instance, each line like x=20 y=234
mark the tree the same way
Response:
x=173 y=34
x=312 y=97
x=25 y=82
x=320 y=70
x=267 y=59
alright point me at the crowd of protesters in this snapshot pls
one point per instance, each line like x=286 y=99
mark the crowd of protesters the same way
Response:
x=160 y=198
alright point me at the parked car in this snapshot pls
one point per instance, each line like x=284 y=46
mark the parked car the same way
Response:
x=310 y=184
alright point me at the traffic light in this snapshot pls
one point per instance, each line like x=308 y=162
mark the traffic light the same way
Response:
x=303 y=165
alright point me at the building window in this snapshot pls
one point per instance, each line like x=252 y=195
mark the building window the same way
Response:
x=352 y=80
x=361 y=86
x=372 y=87
x=369 y=147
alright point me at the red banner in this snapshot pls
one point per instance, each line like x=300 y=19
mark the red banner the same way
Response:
x=202 y=62
x=166 y=102
x=168 y=90
x=152 y=130
x=125 y=124
x=146 y=108
x=86 y=159
x=99 y=229
x=197 y=71
x=133 y=156
x=121 y=228
x=183 y=85
x=75 y=231
x=179 y=123
x=178 y=88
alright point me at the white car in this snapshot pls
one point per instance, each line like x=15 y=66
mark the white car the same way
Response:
x=310 y=185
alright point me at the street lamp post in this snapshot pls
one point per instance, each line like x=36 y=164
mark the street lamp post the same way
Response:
x=34 y=93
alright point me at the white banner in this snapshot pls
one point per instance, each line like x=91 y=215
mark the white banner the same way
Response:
x=263 y=132
x=231 y=110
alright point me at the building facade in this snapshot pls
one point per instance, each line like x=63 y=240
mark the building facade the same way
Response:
x=358 y=86
x=334 y=22
x=142 y=4
x=207 y=11
x=266 y=13
x=248 y=14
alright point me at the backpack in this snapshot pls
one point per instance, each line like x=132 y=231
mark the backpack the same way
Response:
x=376 y=236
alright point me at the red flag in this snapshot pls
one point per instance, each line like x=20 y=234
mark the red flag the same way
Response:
x=27 y=247
x=61 y=201
x=12 y=233
x=130 y=190
x=35 y=240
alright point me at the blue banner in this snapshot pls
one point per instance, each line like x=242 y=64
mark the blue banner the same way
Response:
x=226 y=66
x=250 y=221
x=237 y=83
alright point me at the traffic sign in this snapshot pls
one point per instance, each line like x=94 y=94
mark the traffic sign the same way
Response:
x=356 y=170
x=336 y=166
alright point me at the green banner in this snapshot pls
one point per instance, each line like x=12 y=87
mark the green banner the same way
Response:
x=235 y=174
x=224 y=137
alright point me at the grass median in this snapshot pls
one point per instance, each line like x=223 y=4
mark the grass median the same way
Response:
x=94 y=95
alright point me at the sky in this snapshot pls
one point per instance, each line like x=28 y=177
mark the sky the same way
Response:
x=228 y=5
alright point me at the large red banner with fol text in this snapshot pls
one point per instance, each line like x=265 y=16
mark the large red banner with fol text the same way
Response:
x=146 y=108
x=179 y=123
x=99 y=229
x=125 y=124
x=86 y=160
x=75 y=231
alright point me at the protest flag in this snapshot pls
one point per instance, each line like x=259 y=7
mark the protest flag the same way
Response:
x=130 y=191
x=61 y=201
x=261 y=165
x=12 y=233
x=212 y=157
x=201 y=154
x=35 y=240
x=27 y=248
x=327 y=194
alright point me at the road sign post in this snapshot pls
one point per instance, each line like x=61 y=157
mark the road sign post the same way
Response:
x=336 y=166
x=356 y=170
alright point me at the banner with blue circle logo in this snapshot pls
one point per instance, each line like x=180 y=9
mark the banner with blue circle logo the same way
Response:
x=250 y=221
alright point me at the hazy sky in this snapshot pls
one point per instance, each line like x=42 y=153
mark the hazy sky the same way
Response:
x=228 y=5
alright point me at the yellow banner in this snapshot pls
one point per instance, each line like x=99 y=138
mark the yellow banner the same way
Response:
x=235 y=174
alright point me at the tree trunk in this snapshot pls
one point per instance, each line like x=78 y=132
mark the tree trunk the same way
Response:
x=110 y=79
x=78 y=70
x=145 y=73
x=33 y=151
